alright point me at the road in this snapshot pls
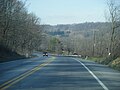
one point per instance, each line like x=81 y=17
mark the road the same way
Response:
x=57 y=73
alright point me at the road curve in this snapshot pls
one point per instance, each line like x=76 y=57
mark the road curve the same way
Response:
x=57 y=73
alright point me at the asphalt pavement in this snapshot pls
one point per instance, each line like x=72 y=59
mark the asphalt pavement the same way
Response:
x=57 y=73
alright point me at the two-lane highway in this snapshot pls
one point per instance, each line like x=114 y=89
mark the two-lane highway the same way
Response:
x=58 y=73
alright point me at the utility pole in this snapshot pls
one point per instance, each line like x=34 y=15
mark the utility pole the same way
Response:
x=93 y=42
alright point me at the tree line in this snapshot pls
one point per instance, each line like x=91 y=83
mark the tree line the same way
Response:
x=20 y=31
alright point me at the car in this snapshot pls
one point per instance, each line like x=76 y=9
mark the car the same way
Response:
x=45 y=54
x=75 y=53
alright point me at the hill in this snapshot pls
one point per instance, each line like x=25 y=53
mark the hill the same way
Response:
x=85 y=29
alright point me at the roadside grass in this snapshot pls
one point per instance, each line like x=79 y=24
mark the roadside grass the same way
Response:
x=115 y=64
x=96 y=59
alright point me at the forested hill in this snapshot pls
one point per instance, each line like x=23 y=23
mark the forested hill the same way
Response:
x=92 y=39
x=66 y=29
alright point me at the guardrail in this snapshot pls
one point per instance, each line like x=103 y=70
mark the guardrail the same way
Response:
x=66 y=55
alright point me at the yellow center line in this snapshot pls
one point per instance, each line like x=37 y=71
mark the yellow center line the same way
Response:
x=24 y=75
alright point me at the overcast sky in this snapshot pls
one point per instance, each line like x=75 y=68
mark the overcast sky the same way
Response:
x=68 y=11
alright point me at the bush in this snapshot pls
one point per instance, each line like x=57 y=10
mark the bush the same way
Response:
x=106 y=60
x=115 y=64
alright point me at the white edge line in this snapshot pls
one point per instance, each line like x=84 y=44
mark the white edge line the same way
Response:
x=98 y=80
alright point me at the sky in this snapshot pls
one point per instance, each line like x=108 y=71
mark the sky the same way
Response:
x=68 y=11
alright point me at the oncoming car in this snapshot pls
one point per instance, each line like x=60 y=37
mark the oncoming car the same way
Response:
x=45 y=54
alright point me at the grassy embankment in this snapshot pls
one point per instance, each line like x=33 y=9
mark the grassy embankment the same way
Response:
x=115 y=64
x=7 y=55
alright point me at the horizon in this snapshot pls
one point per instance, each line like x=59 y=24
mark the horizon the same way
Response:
x=73 y=23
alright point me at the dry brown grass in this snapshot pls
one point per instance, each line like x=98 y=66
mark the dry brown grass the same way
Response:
x=115 y=64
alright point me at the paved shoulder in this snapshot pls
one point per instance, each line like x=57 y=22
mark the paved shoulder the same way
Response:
x=110 y=78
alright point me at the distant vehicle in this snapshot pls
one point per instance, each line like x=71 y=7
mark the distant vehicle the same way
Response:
x=75 y=53
x=45 y=54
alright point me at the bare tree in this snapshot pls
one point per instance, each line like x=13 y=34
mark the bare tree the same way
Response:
x=114 y=19
x=20 y=31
